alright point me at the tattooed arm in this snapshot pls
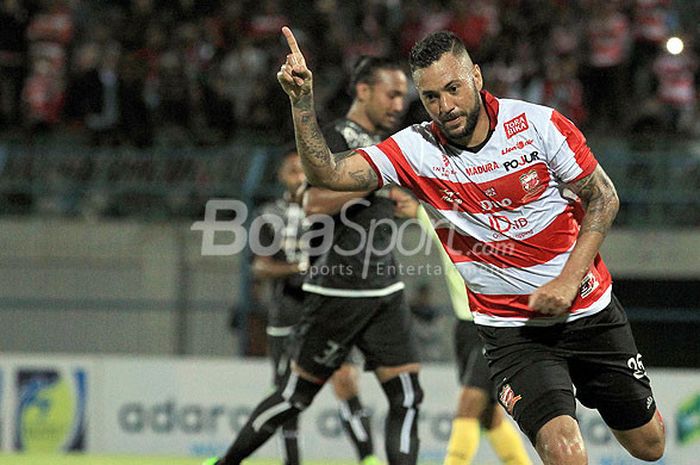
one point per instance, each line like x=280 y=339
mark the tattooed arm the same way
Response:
x=600 y=202
x=348 y=171
x=345 y=171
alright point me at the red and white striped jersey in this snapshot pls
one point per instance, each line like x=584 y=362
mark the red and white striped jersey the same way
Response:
x=502 y=212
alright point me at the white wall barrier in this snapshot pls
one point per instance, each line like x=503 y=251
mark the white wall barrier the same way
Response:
x=195 y=406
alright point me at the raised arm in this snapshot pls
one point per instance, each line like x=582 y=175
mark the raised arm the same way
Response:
x=347 y=171
x=601 y=203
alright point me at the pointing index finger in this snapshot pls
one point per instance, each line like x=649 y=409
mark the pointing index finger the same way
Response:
x=292 y=42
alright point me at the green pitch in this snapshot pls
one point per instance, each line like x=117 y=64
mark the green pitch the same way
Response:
x=35 y=459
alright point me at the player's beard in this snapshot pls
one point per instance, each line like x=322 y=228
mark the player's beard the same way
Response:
x=471 y=117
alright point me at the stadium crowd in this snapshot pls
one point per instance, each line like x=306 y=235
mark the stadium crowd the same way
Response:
x=140 y=72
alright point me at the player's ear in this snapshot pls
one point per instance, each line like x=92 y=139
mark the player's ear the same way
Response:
x=478 y=78
x=362 y=91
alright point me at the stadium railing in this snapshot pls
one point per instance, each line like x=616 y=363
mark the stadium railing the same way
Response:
x=658 y=187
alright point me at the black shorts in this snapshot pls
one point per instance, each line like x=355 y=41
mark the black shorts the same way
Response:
x=379 y=326
x=534 y=369
x=471 y=363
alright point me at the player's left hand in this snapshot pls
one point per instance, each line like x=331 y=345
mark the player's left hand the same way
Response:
x=405 y=206
x=554 y=298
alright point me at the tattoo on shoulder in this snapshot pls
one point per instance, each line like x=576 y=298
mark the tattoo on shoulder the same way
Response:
x=599 y=198
x=594 y=185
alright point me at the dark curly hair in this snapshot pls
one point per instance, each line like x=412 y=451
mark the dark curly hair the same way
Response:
x=432 y=47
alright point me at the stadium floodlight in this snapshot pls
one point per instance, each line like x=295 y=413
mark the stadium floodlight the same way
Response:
x=674 y=45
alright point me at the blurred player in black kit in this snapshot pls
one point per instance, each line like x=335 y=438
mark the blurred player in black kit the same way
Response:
x=378 y=87
x=285 y=270
x=358 y=307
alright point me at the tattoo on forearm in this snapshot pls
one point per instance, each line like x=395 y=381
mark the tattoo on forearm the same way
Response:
x=310 y=141
x=324 y=168
x=599 y=200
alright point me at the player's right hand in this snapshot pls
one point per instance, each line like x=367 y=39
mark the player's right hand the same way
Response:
x=294 y=77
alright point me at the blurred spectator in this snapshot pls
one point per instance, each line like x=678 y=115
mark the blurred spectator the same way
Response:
x=676 y=90
x=43 y=96
x=268 y=22
x=475 y=22
x=174 y=97
x=13 y=48
x=241 y=68
x=137 y=27
x=507 y=74
x=104 y=119
x=49 y=32
x=200 y=71
x=135 y=121
x=562 y=89
x=218 y=107
x=605 y=80
x=652 y=26
x=84 y=91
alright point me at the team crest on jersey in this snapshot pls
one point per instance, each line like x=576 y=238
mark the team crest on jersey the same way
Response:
x=588 y=285
x=491 y=192
x=508 y=398
x=516 y=125
x=530 y=181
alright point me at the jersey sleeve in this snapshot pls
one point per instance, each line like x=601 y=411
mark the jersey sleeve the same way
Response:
x=568 y=153
x=389 y=162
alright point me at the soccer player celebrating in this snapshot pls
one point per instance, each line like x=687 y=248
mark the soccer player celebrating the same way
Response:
x=523 y=207
x=358 y=279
